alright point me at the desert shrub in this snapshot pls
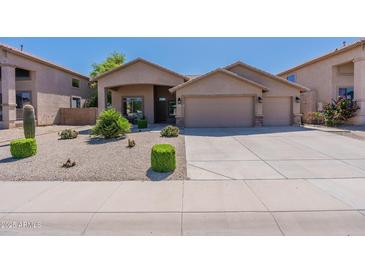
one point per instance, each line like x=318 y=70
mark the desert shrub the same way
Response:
x=69 y=163
x=170 y=131
x=111 y=124
x=22 y=148
x=142 y=123
x=68 y=134
x=339 y=111
x=131 y=143
x=315 y=118
x=163 y=158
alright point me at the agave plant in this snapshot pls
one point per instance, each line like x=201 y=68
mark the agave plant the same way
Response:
x=111 y=124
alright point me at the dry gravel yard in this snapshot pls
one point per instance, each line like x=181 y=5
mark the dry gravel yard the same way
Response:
x=96 y=159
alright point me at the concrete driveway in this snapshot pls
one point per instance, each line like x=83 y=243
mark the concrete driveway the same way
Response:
x=272 y=153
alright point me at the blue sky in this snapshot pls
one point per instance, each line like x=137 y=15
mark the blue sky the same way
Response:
x=183 y=55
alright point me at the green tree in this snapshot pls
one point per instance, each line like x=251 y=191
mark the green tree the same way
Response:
x=115 y=59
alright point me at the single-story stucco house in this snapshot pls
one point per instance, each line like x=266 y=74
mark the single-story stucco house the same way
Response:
x=238 y=95
x=338 y=73
x=26 y=79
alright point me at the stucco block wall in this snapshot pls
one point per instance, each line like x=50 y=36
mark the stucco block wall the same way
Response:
x=145 y=91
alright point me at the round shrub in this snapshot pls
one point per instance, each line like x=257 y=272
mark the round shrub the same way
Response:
x=111 y=124
x=170 y=131
x=68 y=134
x=22 y=148
x=163 y=158
x=142 y=123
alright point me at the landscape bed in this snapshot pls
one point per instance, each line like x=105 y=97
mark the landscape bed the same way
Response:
x=96 y=159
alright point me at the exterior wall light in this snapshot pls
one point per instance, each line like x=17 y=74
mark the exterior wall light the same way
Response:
x=179 y=101
x=259 y=99
x=297 y=99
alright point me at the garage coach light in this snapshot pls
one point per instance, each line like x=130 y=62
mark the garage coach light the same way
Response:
x=179 y=101
x=259 y=99
x=297 y=99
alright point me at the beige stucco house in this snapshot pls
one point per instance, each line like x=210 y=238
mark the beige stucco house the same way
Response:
x=238 y=95
x=338 y=73
x=26 y=79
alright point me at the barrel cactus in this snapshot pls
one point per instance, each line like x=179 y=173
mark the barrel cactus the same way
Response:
x=28 y=121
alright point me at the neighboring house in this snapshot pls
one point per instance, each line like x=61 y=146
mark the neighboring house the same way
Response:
x=338 y=73
x=26 y=79
x=238 y=95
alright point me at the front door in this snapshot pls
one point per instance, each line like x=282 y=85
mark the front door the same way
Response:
x=161 y=110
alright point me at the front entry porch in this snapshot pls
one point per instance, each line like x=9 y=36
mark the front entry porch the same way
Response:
x=152 y=102
x=165 y=105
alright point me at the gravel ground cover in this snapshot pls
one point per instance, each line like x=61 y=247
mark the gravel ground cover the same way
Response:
x=96 y=159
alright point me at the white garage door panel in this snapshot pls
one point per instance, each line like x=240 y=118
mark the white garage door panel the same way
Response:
x=277 y=111
x=219 y=111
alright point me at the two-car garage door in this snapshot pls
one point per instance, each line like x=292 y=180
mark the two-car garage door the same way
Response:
x=235 y=111
x=219 y=111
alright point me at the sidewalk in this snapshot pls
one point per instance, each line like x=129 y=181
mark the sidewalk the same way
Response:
x=261 y=207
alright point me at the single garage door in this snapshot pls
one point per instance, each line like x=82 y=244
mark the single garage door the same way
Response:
x=219 y=111
x=277 y=111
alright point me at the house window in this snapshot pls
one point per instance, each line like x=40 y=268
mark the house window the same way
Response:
x=172 y=108
x=75 y=102
x=22 y=98
x=347 y=93
x=22 y=74
x=75 y=83
x=292 y=78
x=133 y=108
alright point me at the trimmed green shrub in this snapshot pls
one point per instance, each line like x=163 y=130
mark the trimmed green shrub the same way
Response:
x=170 y=131
x=142 y=123
x=163 y=158
x=339 y=111
x=28 y=121
x=22 y=148
x=68 y=134
x=111 y=124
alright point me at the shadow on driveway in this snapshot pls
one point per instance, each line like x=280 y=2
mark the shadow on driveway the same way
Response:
x=226 y=132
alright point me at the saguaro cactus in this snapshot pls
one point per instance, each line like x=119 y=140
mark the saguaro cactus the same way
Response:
x=28 y=121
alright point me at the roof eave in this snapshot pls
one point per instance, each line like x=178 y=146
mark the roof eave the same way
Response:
x=135 y=61
x=323 y=57
x=239 y=63
x=40 y=60
x=173 y=89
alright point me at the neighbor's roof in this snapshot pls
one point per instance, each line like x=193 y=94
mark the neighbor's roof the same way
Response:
x=296 y=85
x=134 y=62
x=39 y=60
x=325 y=56
x=230 y=73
